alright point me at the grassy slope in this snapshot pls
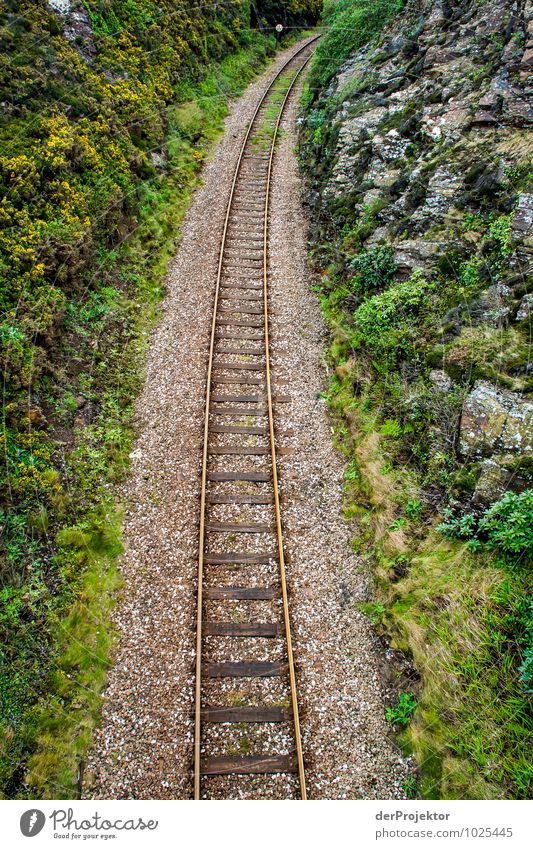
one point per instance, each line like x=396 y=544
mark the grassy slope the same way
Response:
x=99 y=217
x=459 y=610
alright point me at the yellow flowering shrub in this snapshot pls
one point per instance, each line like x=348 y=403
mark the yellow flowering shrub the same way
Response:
x=58 y=139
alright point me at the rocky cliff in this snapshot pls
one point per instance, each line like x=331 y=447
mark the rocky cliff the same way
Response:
x=417 y=153
x=420 y=148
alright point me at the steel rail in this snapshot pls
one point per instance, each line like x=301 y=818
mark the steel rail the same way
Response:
x=205 y=450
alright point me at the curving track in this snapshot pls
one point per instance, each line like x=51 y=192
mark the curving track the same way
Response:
x=246 y=704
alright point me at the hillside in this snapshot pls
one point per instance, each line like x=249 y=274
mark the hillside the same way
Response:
x=416 y=148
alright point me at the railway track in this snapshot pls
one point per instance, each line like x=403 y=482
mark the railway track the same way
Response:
x=247 y=726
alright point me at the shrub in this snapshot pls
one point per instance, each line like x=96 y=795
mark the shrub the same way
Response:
x=500 y=231
x=413 y=508
x=351 y=24
x=469 y=274
x=402 y=713
x=458 y=527
x=507 y=525
x=373 y=269
x=385 y=321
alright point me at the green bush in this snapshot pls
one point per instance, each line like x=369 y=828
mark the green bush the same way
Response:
x=413 y=508
x=384 y=322
x=350 y=24
x=500 y=231
x=507 y=525
x=402 y=713
x=373 y=270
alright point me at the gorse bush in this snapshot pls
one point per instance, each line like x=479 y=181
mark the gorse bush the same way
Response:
x=82 y=120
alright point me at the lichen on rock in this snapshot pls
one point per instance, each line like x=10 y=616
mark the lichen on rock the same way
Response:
x=495 y=421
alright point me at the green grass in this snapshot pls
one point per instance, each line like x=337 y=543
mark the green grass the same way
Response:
x=462 y=617
x=83 y=639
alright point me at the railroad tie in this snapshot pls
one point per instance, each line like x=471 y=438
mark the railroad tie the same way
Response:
x=245 y=714
x=220 y=558
x=241 y=593
x=249 y=765
x=241 y=629
x=245 y=669
x=238 y=527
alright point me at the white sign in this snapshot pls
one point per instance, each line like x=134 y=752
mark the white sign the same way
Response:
x=391 y=824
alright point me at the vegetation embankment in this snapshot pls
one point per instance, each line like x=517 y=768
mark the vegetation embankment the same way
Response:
x=420 y=193
x=109 y=110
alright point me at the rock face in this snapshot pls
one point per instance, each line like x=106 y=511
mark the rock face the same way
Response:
x=495 y=421
x=422 y=144
x=525 y=308
x=493 y=481
x=61 y=6
x=522 y=230
x=428 y=116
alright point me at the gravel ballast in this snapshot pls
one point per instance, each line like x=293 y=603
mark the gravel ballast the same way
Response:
x=143 y=748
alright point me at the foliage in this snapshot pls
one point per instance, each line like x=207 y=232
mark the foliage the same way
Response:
x=384 y=322
x=413 y=508
x=374 y=610
x=391 y=428
x=290 y=13
x=403 y=712
x=500 y=231
x=506 y=525
x=350 y=24
x=373 y=269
